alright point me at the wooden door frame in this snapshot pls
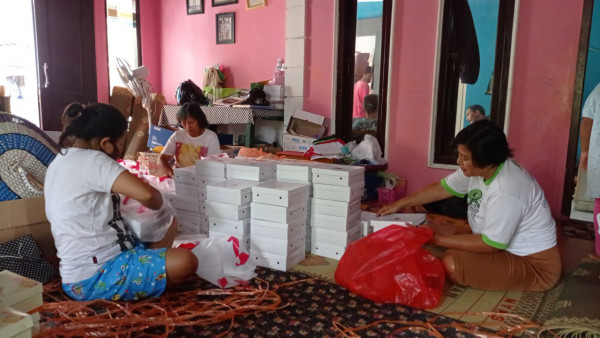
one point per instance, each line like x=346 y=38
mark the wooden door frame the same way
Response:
x=571 y=171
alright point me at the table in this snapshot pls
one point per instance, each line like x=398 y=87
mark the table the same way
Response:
x=227 y=115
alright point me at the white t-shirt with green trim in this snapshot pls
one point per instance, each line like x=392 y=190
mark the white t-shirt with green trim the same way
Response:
x=509 y=210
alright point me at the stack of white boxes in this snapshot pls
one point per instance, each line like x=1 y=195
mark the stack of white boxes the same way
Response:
x=23 y=295
x=228 y=209
x=228 y=201
x=188 y=202
x=335 y=212
x=300 y=171
x=278 y=224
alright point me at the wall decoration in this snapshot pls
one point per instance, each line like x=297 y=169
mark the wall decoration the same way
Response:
x=254 y=4
x=195 y=6
x=225 y=28
x=223 y=2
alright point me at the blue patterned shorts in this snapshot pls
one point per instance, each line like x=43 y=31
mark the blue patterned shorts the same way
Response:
x=131 y=275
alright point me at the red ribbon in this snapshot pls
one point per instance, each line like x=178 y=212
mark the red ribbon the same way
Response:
x=241 y=256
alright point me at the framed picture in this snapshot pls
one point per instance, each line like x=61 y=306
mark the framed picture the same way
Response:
x=216 y=3
x=195 y=6
x=225 y=28
x=254 y=4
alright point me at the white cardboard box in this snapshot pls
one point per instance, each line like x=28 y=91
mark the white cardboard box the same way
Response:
x=239 y=228
x=16 y=289
x=341 y=175
x=188 y=191
x=280 y=193
x=275 y=213
x=334 y=208
x=381 y=222
x=338 y=193
x=189 y=227
x=228 y=211
x=296 y=142
x=259 y=245
x=300 y=171
x=252 y=170
x=190 y=216
x=15 y=324
x=280 y=262
x=336 y=238
x=206 y=180
x=230 y=192
x=186 y=175
x=213 y=166
x=327 y=250
x=283 y=231
x=337 y=223
x=179 y=202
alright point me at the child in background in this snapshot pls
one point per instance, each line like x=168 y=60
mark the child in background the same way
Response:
x=99 y=257
x=192 y=143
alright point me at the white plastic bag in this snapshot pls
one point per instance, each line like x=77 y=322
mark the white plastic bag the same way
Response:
x=147 y=224
x=222 y=262
x=368 y=149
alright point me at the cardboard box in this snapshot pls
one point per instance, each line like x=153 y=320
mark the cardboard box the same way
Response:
x=300 y=171
x=19 y=292
x=327 y=250
x=280 y=262
x=302 y=129
x=334 y=208
x=296 y=143
x=14 y=323
x=275 y=93
x=276 y=230
x=23 y=217
x=228 y=211
x=260 y=246
x=339 y=238
x=280 y=193
x=239 y=228
x=338 y=193
x=214 y=167
x=251 y=170
x=340 y=175
x=158 y=136
x=230 y=191
x=275 y=213
x=337 y=223
x=186 y=175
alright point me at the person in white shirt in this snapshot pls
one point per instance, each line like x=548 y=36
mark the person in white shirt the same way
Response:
x=511 y=230
x=192 y=143
x=99 y=256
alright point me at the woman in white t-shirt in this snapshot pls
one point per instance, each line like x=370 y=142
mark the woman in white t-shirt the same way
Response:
x=192 y=143
x=99 y=256
x=511 y=240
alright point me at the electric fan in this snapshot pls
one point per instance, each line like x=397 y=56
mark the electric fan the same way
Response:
x=136 y=83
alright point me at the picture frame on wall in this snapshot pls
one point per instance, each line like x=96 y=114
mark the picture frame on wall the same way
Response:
x=225 y=28
x=216 y=3
x=254 y=4
x=195 y=7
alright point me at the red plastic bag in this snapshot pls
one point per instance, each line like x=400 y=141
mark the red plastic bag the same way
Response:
x=390 y=266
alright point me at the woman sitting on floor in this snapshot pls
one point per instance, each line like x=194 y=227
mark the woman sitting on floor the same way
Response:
x=511 y=243
x=99 y=257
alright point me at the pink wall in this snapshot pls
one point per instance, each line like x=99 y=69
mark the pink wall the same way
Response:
x=545 y=58
x=188 y=44
x=318 y=53
x=544 y=78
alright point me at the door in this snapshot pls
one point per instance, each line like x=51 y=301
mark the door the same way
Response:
x=66 y=56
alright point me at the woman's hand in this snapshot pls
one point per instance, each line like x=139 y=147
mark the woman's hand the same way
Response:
x=163 y=164
x=388 y=209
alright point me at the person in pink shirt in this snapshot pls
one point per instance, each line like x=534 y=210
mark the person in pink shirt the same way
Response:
x=361 y=89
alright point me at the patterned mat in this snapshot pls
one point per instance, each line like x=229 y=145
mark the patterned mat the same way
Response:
x=577 y=310
x=309 y=307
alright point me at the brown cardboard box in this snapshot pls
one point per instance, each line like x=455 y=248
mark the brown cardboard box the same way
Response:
x=23 y=217
x=149 y=163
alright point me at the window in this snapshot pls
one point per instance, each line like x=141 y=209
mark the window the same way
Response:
x=122 y=32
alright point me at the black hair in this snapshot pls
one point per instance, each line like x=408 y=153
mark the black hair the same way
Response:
x=371 y=102
x=193 y=110
x=97 y=120
x=486 y=141
x=477 y=107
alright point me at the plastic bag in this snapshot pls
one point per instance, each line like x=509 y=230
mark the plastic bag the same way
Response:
x=368 y=149
x=390 y=266
x=222 y=262
x=147 y=224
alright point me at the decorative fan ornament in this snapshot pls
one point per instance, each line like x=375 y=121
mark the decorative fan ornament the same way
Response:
x=136 y=83
x=25 y=153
